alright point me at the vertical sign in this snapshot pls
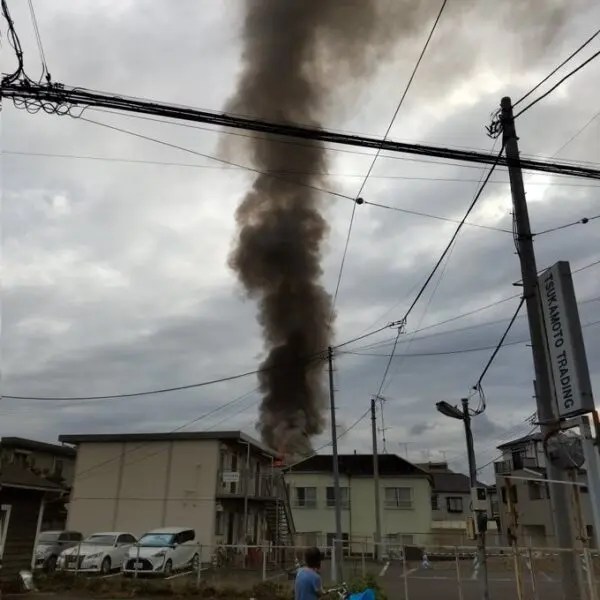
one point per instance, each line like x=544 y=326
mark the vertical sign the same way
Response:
x=571 y=378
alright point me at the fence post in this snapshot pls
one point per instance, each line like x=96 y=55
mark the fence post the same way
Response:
x=137 y=560
x=77 y=558
x=264 y=563
x=199 y=569
x=532 y=574
x=405 y=569
x=517 y=567
x=590 y=573
x=362 y=560
x=458 y=578
x=333 y=564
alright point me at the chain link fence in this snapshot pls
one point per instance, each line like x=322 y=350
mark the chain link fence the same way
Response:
x=405 y=572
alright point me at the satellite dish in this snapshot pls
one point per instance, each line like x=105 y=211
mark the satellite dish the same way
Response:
x=564 y=449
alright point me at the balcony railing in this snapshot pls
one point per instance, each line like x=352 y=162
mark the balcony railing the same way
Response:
x=235 y=484
x=504 y=467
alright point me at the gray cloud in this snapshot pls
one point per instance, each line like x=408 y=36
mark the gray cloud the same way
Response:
x=115 y=275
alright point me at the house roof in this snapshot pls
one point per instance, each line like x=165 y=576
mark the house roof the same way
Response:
x=236 y=436
x=15 y=476
x=358 y=464
x=534 y=437
x=445 y=480
x=35 y=446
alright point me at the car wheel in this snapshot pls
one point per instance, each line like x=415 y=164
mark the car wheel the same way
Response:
x=105 y=566
x=168 y=570
x=195 y=562
x=51 y=564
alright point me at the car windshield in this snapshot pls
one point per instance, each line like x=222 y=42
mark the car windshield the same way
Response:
x=100 y=540
x=48 y=538
x=157 y=539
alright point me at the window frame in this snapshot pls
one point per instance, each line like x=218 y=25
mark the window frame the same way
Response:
x=396 y=504
x=310 y=504
x=458 y=500
x=330 y=501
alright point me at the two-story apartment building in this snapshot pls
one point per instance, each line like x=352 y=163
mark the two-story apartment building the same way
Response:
x=53 y=462
x=405 y=492
x=451 y=505
x=222 y=484
x=524 y=504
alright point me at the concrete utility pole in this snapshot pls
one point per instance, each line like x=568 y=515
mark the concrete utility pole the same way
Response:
x=473 y=478
x=545 y=408
x=377 y=552
x=338 y=546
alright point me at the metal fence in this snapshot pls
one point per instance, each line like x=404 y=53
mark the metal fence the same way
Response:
x=404 y=572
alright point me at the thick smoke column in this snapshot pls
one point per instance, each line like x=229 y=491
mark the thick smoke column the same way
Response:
x=296 y=53
x=287 y=69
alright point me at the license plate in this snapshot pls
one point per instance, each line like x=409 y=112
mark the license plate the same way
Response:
x=138 y=565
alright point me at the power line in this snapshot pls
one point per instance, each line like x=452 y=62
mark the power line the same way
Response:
x=439 y=218
x=222 y=160
x=179 y=428
x=455 y=351
x=583 y=221
x=435 y=268
x=60 y=99
x=358 y=199
x=38 y=38
x=562 y=64
x=560 y=82
x=502 y=340
x=576 y=134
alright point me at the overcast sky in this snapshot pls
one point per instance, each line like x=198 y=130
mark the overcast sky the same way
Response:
x=115 y=275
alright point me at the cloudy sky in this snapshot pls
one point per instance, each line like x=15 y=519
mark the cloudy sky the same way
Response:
x=115 y=248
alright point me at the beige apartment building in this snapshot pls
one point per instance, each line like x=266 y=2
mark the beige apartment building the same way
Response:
x=222 y=484
x=405 y=496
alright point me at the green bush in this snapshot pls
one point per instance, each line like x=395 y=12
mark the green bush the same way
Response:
x=360 y=584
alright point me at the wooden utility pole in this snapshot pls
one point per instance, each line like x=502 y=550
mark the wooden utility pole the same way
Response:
x=545 y=407
x=377 y=552
x=338 y=546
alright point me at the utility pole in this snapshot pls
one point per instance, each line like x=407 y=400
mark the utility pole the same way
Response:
x=338 y=547
x=377 y=552
x=473 y=478
x=545 y=409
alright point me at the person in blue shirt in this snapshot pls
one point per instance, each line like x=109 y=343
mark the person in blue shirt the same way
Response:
x=308 y=581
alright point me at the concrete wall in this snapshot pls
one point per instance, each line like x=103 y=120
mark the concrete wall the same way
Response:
x=138 y=486
x=358 y=521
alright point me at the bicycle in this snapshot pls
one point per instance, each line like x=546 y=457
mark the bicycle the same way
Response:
x=341 y=592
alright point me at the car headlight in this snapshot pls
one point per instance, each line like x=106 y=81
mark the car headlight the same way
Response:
x=96 y=555
x=160 y=553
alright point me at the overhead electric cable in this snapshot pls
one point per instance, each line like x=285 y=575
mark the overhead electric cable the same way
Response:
x=560 y=82
x=358 y=199
x=583 y=221
x=562 y=64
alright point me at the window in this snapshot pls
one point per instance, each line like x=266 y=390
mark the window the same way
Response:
x=398 y=497
x=536 y=490
x=23 y=459
x=435 y=502
x=125 y=539
x=220 y=523
x=58 y=467
x=454 y=504
x=344 y=497
x=513 y=495
x=185 y=536
x=306 y=497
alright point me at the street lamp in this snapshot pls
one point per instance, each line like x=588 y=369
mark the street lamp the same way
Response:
x=463 y=415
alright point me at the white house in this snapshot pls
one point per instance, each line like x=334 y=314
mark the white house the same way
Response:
x=405 y=497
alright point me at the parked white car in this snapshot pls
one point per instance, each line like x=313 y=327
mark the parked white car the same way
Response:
x=163 y=551
x=100 y=552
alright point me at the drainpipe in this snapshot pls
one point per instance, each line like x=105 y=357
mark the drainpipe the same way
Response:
x=247 y=471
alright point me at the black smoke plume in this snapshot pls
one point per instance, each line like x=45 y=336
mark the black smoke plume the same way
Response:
x=296 y=53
